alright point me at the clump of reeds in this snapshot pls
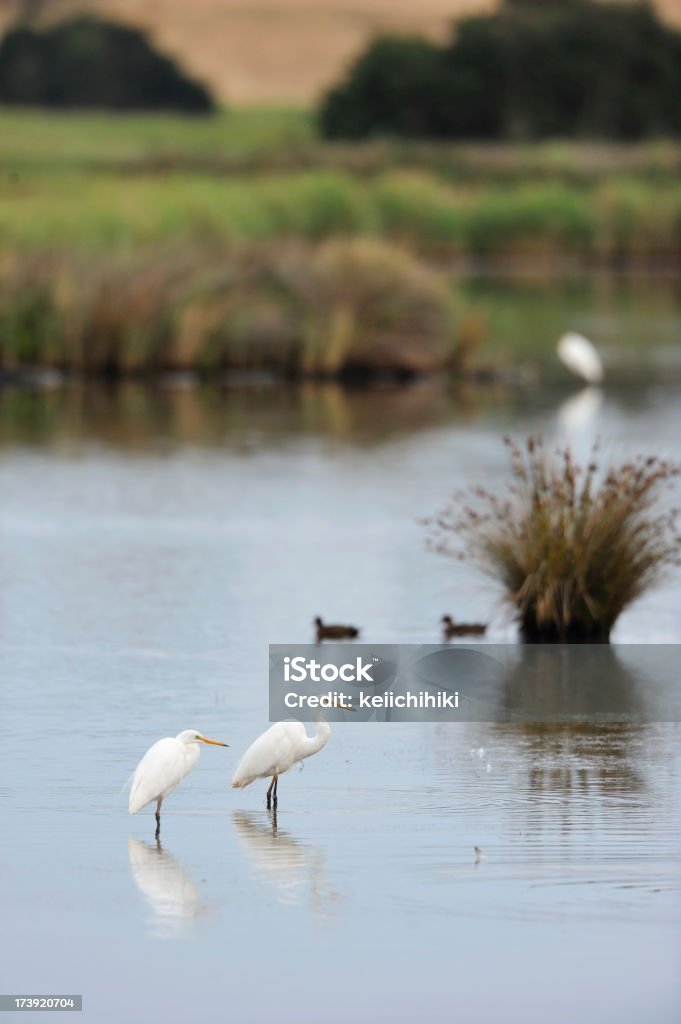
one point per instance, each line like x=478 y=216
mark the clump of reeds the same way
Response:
x=370 y=305
x=572 y=547
x=299 y=309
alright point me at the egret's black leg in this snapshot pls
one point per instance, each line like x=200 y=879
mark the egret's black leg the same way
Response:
x=158 y=817
x=273 y=786
x=274 y=795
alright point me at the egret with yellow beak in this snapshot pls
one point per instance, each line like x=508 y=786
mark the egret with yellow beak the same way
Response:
x=163 y=767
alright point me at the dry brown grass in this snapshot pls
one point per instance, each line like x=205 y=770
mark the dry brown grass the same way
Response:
x=347 y=306
x=572 y=547
x=281 y=51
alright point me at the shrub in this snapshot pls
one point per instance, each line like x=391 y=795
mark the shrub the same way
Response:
x=571 y=68
x=86 y=62
x=571 y=548
x=372 y=306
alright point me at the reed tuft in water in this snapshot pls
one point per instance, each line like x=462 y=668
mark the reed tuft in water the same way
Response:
x=572 y=546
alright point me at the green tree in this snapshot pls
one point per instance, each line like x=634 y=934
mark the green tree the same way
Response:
x=389 y=91
x=535 y=69
x=86 y=62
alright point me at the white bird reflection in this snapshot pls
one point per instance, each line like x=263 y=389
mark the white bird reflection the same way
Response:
x=166 y=887
x=578 y=413
x=296 y=871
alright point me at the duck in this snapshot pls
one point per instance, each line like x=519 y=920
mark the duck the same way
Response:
x=334 y=632
x=451 y=628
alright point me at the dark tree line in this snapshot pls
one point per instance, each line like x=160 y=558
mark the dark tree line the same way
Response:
x=570 y=68
x=86 y=62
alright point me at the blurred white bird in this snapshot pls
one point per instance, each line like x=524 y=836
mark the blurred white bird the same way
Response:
x=581 y=357
x=163 y=767
x=278 y=749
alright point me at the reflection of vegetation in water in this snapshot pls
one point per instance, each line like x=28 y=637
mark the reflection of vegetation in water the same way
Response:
x=587 y=681
x=572 y=760
x=242 y=418
x=616 y=707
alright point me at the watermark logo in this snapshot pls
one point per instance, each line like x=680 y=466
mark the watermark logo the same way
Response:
x=478 y=682
x=298 y=670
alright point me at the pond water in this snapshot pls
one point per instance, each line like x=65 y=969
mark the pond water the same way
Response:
x=152 y=543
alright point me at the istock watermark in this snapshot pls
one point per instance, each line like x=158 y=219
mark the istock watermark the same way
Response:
x=297 y=670
x=476 y=682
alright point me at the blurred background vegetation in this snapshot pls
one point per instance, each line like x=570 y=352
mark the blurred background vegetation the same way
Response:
x=555 y=68
x=276 y=51
x=541 y=134
x=85 y=62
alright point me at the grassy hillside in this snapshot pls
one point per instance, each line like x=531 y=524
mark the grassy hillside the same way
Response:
x=273 y=51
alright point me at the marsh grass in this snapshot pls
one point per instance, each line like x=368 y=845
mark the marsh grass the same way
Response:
x=572 y=547
x=620 y=221
x=118 y=182
x=340 y=307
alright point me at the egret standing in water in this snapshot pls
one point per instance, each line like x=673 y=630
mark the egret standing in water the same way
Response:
x=163 y=767
x=278 y=749
x=581 y=357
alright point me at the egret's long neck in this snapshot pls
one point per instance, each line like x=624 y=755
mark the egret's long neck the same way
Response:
x=192 y=752
x=320 y=738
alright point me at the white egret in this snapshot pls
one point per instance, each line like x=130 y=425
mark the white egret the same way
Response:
x=163 y=767
x=581 y=357
x=278 y=749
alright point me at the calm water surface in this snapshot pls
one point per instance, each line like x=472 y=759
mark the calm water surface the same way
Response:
x=151 y=545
